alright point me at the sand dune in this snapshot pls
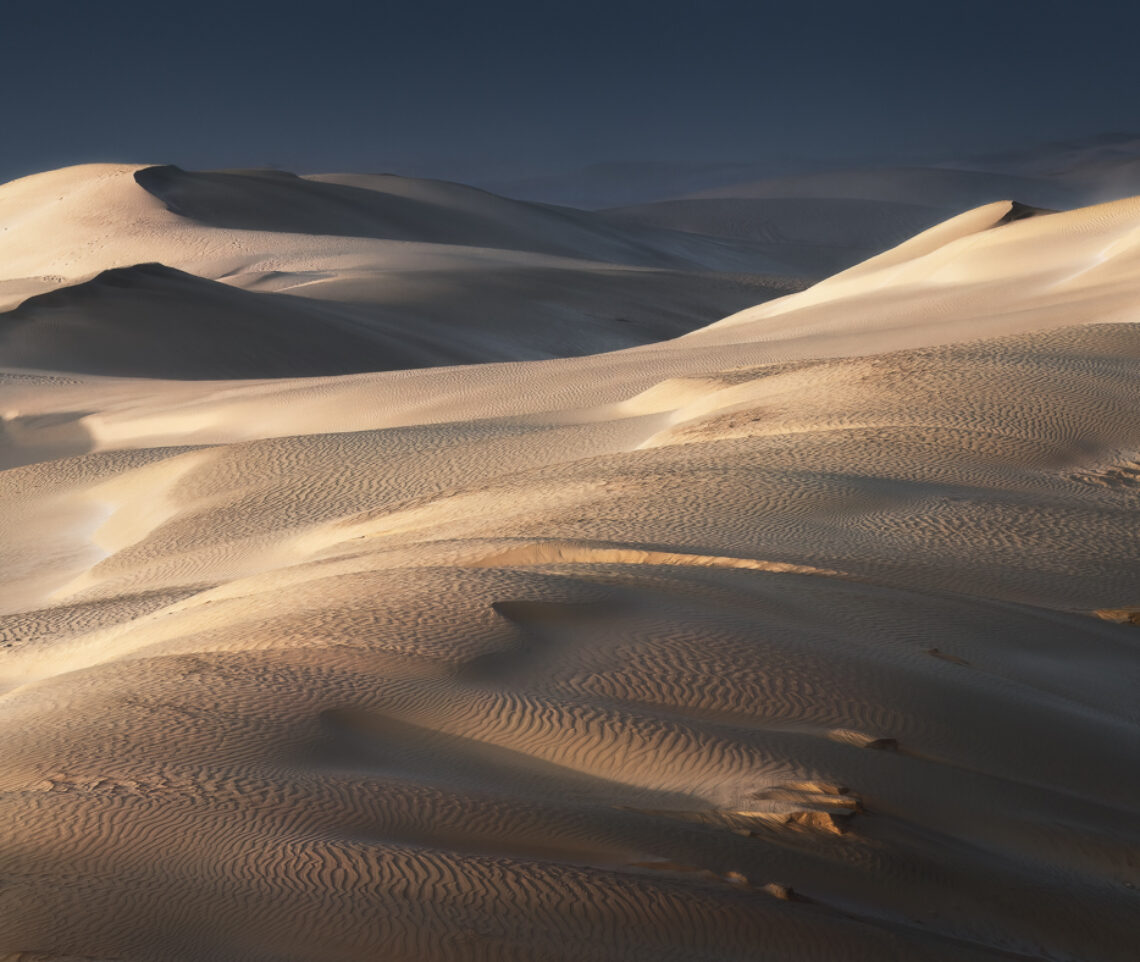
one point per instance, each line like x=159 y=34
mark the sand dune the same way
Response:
x=150 y=320
x=386 y=273
x=388 y=207
x=70 y=224
x=819 y=221
x=826 y=222
x=773 y=641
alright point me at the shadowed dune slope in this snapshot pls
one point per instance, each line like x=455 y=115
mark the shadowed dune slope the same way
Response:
x=153 y=321
x=772 y=642
x=389 y=207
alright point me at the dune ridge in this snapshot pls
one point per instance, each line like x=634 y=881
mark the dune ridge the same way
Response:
x=796 y=637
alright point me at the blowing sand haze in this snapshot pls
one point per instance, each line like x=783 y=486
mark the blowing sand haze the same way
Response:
x=803 y=635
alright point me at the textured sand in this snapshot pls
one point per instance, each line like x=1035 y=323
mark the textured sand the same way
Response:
x=806 y=636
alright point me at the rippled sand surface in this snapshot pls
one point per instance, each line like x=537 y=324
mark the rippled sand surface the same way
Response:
x=807 y=636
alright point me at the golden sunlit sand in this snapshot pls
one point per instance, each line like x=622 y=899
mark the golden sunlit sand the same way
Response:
x=806 y=635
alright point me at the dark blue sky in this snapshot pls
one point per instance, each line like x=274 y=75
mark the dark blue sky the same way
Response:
x=482 y=90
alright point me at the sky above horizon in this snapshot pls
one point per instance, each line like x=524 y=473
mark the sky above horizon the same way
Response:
x=500 y=90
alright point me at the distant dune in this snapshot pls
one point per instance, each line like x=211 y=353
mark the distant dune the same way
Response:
x=1069 y=173
x=819 y=221
x=806 y=635
x=810 y=234
x=1101 y=168
x=925 y=186
x=622 y=184
x=387 y=207
x=379 y=273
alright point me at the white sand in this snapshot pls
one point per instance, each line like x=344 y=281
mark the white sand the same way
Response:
x=774 y=641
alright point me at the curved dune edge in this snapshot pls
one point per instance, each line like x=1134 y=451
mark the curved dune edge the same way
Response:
x=770 y=641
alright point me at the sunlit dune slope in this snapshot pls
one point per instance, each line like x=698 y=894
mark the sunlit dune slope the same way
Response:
x=964 y=279
x=774 y=641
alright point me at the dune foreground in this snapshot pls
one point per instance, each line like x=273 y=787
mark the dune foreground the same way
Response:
x=807 y=635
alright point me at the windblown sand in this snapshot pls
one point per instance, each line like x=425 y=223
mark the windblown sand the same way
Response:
x=777 y=641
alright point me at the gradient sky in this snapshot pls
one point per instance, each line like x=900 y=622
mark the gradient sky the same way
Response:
x=505 y=88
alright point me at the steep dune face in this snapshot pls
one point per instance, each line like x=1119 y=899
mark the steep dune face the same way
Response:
x=772 y=641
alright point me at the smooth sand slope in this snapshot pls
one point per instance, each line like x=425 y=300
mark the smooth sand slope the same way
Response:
x=777 y=641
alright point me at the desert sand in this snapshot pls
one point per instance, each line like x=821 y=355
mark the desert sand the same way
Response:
x=804 y=635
